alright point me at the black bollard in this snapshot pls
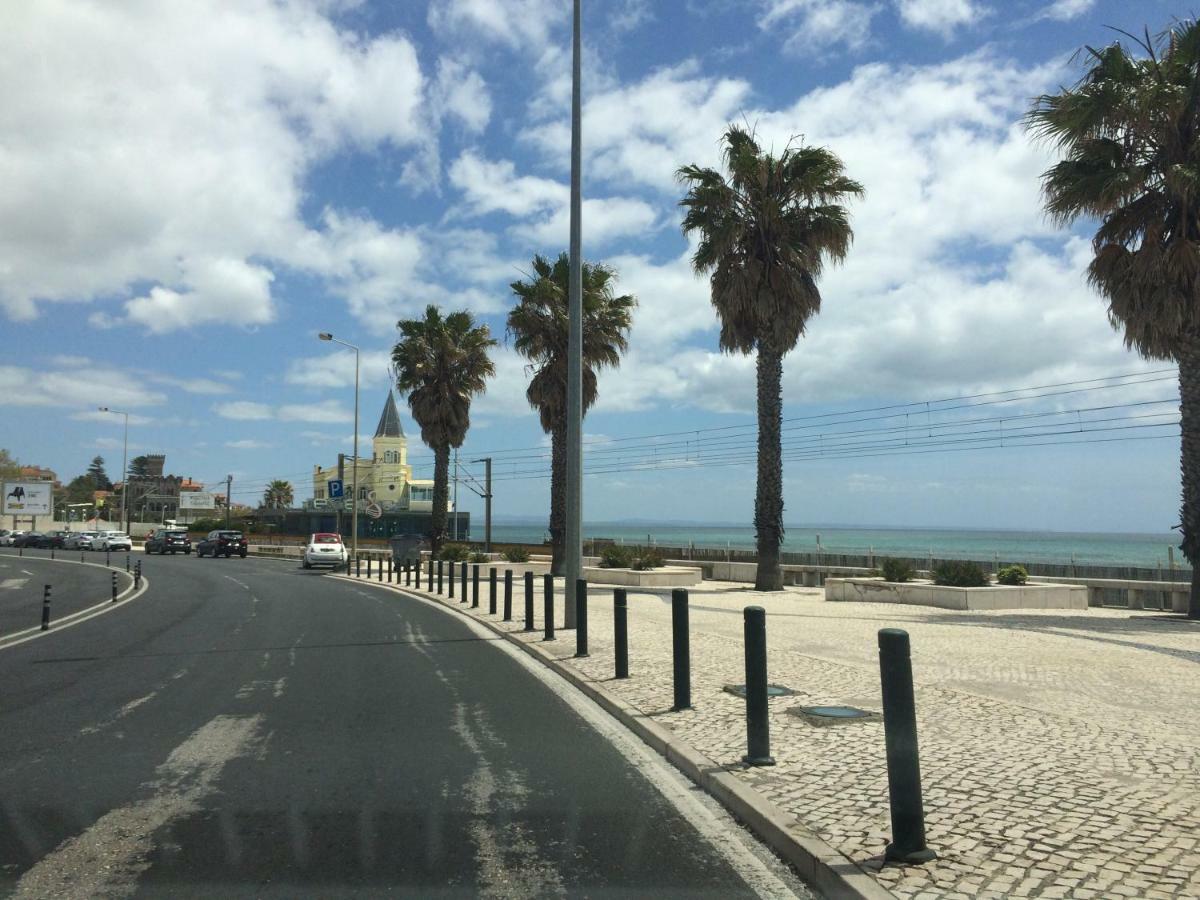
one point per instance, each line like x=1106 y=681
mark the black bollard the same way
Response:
x=379 y=571
x=358 y=567
x=126 y=562
x=463 y=587
x=81 y=556
x=440 y=576
x=137 y=575
x=758 y=728
x=581 y=647
x=107 y=557
x=46 y=607
x=548 y=605
x=368 y=568
x=390 y=569
x=114 y=587
x=417 y=572
x=429 y=576
x=450 y=578
x=621 y=631
x=475 y=585
x=508 y=595
x=492 y=590
x=900 y=739
x=408 y=573
x=681 y=650
x=52 y=551
x=529 y=601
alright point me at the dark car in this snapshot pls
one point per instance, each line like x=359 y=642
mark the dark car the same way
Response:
x=52 y=539
x=222 y=543
x=168 y=540
x=28 y=539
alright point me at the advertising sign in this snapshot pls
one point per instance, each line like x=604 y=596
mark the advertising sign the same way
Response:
x=197 y=500
x=27 y=498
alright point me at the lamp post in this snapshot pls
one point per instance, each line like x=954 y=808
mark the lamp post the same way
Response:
x=326 y=336
x=574 y=487
x=124 y=464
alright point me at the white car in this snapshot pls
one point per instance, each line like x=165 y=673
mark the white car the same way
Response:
x=112 y=540
x=80 y=540
x=325 y=549
x=6 y=539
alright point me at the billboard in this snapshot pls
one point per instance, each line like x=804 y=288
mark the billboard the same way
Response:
x=27 y=498
x=197 y=500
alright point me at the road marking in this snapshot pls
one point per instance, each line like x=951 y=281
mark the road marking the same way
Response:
x=106 y=860
x=32 y=634
x=240 y=584
x=13 y=584
x=119 y=714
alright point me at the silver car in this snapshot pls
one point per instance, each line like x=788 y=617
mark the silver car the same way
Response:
x=112 y=540
x=80 y=540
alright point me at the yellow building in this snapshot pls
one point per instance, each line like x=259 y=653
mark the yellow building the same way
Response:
x=385 y=476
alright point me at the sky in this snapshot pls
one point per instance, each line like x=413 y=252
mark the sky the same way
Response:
x=193 y=190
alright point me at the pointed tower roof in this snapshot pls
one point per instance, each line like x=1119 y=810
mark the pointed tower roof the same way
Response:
x=389 y=421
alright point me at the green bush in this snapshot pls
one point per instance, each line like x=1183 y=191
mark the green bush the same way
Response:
x=1012 y=575
x=204 y=526
x=616 y=556
x=959 y=573
x=897 y=570
x=455 y=552
x=516 y=555
x=646 y=560
x=480 y=558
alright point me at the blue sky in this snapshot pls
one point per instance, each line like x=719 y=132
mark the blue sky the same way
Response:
x=193 y=190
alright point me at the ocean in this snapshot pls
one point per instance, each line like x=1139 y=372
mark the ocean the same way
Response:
x=1148 y=550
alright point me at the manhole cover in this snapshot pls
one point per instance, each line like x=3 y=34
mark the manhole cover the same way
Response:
x=773 y=690
x=832 y=715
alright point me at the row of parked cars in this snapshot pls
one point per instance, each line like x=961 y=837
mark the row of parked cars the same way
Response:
x=67 y=540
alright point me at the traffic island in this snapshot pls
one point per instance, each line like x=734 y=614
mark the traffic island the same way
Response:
x=926 y=593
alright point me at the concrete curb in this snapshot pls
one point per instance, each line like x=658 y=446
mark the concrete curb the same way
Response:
x=820 y=865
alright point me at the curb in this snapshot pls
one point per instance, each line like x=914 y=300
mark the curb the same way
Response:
x=818 y=863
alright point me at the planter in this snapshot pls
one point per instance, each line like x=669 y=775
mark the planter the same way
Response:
x=663 y=576
x=924 y=593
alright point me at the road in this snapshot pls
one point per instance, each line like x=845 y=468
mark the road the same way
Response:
x=73 y=586
x=246 y=728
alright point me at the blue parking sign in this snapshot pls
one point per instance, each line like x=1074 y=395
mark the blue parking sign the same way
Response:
x=335 y=489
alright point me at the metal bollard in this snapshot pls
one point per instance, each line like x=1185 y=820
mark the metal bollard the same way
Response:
x=492 y=590
x=379 y=571
x=391 y=569
x=46 y=607
x=358 y=567
x=900 y=739
x=529 y=601
x=429 y=576
x=368 y=568
x=126 y=562
x=463 y=589
x=408 y=573
x=508 y=595
x=81 y=557
x=114 y=587
x=52 y=552
x=758 y=727
x=450 y=578
x=621 y=631
x=475 y=585
x=681 y=651
x=581 y=647
x=107 y=557
x=440 y=576
x=137 y=575
x=417 y=572
x=548 y=605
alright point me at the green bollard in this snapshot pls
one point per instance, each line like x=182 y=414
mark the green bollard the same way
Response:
x=681 y=651
x=758 y=727
x=548 y=605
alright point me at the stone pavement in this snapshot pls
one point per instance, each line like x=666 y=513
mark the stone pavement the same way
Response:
x=1058 y=748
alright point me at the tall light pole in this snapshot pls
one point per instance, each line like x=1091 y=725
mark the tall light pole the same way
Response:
x=124 y=464
x=574 y=500
x=326 y=336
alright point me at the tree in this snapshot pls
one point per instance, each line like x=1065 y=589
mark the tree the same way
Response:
x=765 y=234
x=539 y=325
x=10 y=468
x=1129 y=132
x=98 y=475
x=139 y=467
x=278 y=495
x=440 y=364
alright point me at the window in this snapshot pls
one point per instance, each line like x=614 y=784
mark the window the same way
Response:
x=320 y=493
x=422 y=493
x=362 y=493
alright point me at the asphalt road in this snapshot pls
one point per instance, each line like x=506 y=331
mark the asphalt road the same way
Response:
x=246 y=728
x=73 y=586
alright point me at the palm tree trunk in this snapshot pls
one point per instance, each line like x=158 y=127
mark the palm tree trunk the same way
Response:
x=558 y=499
x=768 y=498
x=1189 y=462
x=441 y=497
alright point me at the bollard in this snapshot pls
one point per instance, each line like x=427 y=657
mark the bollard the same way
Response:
x=475 y=585
x=52 y=551
x=450 y=578
x=417 y=572
x=390 y=569
x=900 y=739
x=137 y=575
x=21 y=550
x=358 y=567
x=548 y=605
x=508 y=595
x=408 y=573
x=46 y=607
x=463 y=587
x=368 y=568
x=107 y=557
x=758 y=728
x=492 y=591
x=529 y=601
x=114 y=587
x=581 y=645
x=440 y=576
x=81 y=556
x=621 y=631
x=429 y=576
x=680 y=650
x=126 y=562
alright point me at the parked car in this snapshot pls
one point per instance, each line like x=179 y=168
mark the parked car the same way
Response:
x=9 y=538
x=28 y=539
x=80 y=540
x=53 y=539
x=222 y=543
x=168 y=540
x=112 y=540
x=325 y=549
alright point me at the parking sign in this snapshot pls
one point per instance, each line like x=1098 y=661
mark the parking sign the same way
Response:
x=335 y=489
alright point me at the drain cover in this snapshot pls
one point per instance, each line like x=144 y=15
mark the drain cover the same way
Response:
x=773 y=690
x=832 y=715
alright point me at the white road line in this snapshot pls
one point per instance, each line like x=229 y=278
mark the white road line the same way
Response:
x=106 y=860
x=32 y=634
x=13 y=584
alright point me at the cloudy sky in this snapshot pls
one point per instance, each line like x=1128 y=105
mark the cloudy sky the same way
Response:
x=192 y=190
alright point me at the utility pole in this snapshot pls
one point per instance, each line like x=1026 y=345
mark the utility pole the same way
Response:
x=228 y=494
x=456 y=493
x=487 y=502
x=574 y=499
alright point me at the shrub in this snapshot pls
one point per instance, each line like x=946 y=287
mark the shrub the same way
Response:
x=959 y=573
x=1012 y=575
x=516 y=555
x=455 y=552
x=480 y=558
x=206 y=525
x=648 y=559
x=616 y=556
x=897 y=570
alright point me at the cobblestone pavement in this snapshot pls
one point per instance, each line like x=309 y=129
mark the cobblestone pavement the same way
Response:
x=1058 y=748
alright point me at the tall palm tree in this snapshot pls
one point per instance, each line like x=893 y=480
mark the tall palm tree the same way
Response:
x=1130 y=134
x=440 y=364
x=765 y=234
x=278 y=495
x=539 y=324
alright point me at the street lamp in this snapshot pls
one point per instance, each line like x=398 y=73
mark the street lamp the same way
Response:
x=124 y=464
x=326 y=336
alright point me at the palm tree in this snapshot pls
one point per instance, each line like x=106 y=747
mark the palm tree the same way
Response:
x=278 y=495
x=1130 y=134
x=765 y=233
x=539 y=325
x=440 y=363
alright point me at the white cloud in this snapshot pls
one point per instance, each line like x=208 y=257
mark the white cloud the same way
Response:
x=1065 y=10
x=512 y=23
x=336 y=370
x=194 y=385
x=95 y=415
x=461 y=91
x=325 y=411
x=96 y=386
x=941 y=16
x=816 y=25
x=243 y=410
x=227 y=291
x=248 y=444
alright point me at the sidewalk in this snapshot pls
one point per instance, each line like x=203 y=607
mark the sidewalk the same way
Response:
x=1058 y=748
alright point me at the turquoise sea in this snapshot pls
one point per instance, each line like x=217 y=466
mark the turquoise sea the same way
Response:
x=1147 y=550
